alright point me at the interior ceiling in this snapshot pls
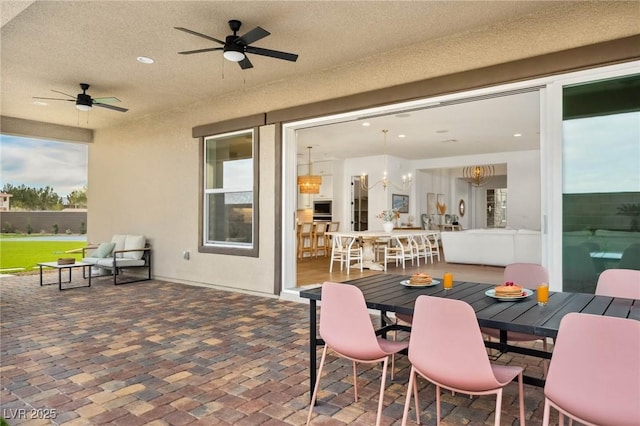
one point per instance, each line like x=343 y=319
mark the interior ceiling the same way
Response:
x=466 y=128
x=58 y=44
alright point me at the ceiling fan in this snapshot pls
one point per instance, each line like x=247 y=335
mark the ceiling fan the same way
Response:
x=84 y=102
x=236 y=47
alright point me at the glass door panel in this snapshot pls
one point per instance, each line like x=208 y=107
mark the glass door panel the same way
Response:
x=601 y=180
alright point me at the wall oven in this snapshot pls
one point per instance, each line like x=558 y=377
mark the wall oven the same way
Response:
x=322 y=210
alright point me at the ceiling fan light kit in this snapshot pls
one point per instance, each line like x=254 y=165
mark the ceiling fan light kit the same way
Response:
x=235 y=48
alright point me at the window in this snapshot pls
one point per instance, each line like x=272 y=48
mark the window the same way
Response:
x=229 y=195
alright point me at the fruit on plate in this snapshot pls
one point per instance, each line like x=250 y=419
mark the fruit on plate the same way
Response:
x=420 y=278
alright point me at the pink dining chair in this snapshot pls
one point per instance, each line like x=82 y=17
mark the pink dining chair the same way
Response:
x=594 y=375
x=619 y=283
x=460 y=365
x=346 y=328
x=527 y=275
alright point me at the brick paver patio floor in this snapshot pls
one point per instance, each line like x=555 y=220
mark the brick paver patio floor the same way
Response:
x=161 y=353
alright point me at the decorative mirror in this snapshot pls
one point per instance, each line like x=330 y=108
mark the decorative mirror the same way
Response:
x=461 y=207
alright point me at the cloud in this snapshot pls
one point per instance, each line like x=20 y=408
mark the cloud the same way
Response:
x=39 y=163
x=602 y=154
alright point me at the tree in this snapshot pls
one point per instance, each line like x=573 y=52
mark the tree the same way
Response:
x=28 y=198
x=77 y=199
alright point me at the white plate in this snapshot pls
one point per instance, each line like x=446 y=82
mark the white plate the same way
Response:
x=406 y=283
x=492 y=293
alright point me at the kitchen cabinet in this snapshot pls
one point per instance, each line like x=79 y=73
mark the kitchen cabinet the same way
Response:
x=305 y=201
x=326 y=189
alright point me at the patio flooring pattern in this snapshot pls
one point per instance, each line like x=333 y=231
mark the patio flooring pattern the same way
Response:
x=161 y=353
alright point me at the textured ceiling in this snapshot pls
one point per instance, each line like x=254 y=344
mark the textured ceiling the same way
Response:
x=56 y=45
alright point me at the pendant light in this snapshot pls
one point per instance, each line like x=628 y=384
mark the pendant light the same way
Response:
x=309 y=183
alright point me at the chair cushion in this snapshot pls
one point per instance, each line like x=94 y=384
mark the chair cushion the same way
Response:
x=133 y=242
x=103 y=250
x=120 y=262
x=91 y=260
x=118 y=240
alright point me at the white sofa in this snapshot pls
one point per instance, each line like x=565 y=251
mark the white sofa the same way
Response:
x=123 y=252
x=495 y=247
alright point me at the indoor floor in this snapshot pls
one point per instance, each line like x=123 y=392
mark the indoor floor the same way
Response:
x=316 y=271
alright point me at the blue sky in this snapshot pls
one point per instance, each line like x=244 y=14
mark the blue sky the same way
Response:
x=39 y=163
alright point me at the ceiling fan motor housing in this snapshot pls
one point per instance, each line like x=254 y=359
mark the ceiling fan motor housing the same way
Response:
x=84 y=99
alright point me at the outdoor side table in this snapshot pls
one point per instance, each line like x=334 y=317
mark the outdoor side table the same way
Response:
x=60 y=268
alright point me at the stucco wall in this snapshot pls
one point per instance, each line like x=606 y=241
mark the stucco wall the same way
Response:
x=147 y=180
x=143 y=175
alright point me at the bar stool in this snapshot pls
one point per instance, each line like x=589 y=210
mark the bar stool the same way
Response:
x=320 y=239
x=305 y=239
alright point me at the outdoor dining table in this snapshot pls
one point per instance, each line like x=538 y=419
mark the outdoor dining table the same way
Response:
x=384 y=293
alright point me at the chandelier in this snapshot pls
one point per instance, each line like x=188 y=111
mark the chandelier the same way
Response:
x=406 y=179
x=309 y=184
x=478 y=175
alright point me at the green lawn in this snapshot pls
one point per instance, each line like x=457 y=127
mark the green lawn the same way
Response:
x=27 y=254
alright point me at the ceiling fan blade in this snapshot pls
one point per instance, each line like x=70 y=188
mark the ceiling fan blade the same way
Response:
x=198 y=34
x=54 y=99
x=272 y=53
x=113 y=107
x=245 y=63
x=108 y=100
x=62 y=93
x=189 y=52
x=252 y=36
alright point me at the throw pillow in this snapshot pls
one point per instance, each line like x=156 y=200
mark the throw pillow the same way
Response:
x=133 y=242
x=103 y=250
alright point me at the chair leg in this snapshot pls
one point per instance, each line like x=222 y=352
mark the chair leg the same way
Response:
x=407 y=400
x=415 y=398
x=437 y=405
x=315 y=389
x=545 y=415
x=355 y=381
x=498 y=406
x=521 y=398
x=382 y=384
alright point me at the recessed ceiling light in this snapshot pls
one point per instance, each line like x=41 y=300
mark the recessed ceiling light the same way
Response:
x=517 y=135
x=402 y=136
x=366 y=123
x=40 y=103
x=145 y=60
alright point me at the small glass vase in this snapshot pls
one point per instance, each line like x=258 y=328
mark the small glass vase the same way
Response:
x=387 y=226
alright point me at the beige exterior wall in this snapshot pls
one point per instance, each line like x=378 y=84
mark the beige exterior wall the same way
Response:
x=143 y=176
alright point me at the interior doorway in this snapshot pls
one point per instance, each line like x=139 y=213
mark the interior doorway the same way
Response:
x=359 y=204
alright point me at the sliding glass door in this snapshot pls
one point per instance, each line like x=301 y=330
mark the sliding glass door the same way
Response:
x=600 y=179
